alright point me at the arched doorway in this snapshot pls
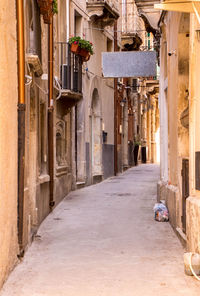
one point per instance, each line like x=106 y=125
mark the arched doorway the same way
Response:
x=96 y=138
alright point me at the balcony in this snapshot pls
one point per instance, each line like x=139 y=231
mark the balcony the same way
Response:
x=149 y=14
x=103 y=12
x=70 y=80
x=131 y=42
x=152 y=86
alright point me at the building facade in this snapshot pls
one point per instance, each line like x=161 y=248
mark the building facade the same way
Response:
x=63 y=125
x=179 y=107
x=67 y=115
x=8 y=140
x=138 y=114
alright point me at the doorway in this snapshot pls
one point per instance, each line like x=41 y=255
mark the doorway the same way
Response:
x=96 y=138
x=185 y=190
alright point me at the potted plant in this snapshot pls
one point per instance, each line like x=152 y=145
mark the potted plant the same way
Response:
x=47 y=9
x=55 y=7
x=81 y=47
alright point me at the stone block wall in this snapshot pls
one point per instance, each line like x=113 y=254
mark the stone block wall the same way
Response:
x=170 y=194
x=193 y=224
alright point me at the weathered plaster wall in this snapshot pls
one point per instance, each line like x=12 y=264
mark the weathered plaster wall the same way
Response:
x=8 y=139
x=87 y=113
x=172 y=132
x=163 y=106
x=172 y=94
x=183 y=73
x=193 y=202
x=36 y=191
x=193 y=224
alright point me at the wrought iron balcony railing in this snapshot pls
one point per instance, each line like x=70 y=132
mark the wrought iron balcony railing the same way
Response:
x=70 y=66
x=114 y=4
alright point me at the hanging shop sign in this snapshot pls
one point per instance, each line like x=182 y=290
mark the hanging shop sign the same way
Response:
x=129 y=64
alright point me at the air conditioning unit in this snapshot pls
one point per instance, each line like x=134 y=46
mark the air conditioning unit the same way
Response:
x=64 y=76
x=34 y=64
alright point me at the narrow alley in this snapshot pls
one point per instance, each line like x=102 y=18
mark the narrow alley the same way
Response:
x=103 y=240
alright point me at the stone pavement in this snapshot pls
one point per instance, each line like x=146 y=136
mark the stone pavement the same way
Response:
x=103 y=241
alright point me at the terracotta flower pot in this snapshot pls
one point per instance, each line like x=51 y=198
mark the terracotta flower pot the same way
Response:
x=46 y=10
x=84 y=54
x=45 y=4
x=75 y=48
x=80 y=51
x=85 y=59
x=47 y=17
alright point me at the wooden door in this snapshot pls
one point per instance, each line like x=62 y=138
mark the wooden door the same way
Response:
x=185 y=190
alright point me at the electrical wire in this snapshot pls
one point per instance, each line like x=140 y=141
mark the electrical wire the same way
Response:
x=88 y=71
x=58 y=87
x=126 y=2
x=113 y=31
x=29 y=80
x=191 y=268
x=42 y=90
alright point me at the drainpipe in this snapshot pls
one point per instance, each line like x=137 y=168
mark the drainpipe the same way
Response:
x=115 y=106
x=21 y=121
x=50 y=115
x=67 y=19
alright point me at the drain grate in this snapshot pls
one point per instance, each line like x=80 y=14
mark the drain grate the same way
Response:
x=119 y=194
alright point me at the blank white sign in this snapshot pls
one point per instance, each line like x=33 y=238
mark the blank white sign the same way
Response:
x=129 y=64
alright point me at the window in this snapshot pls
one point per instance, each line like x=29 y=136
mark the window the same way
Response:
x=42 y=137
x=109 y=45
x=77 y=24
x=60 y=143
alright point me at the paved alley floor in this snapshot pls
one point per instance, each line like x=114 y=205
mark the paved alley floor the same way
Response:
x=103 y=241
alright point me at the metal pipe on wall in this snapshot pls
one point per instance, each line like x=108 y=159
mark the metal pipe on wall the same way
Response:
x=50 y=115
x=67 y=18
x=115 y=107
x=21 y=121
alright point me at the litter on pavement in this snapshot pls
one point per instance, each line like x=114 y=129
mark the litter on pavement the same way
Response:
x=161 y=213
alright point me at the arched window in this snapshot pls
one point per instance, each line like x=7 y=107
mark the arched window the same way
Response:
x=60 y=143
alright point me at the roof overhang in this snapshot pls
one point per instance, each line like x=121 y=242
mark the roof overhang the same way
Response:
x=147 y=11
x=188 y=6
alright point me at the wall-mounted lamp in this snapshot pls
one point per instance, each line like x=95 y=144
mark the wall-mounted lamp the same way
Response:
x=186 y=94
x=122 y=102
x=172 y=52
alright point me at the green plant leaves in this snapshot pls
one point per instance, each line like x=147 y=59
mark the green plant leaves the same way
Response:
x=85 y=44
x=55 y=6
